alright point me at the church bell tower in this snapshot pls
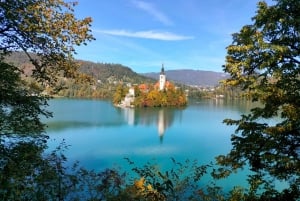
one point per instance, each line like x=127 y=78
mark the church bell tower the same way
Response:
x=162 y=78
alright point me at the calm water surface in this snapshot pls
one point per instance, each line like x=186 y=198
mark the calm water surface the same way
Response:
x=101 y=135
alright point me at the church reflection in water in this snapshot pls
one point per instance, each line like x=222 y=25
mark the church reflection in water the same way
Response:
x=163 y=118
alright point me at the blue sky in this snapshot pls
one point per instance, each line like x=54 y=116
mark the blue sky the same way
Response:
x=182 y=34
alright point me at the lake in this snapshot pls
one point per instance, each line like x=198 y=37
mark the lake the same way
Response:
x=101 y=135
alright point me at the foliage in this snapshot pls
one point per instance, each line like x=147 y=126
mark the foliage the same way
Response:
x=182 y=181
x=264 y=61
x=48 y=177
x=119 y=94
x=50 y=30
x=46 y=28
x=27 y=173
x=152 y=97
x=20 y=107
x=165 y=98
x=46 y=32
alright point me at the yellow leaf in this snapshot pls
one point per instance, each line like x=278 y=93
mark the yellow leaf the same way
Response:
x=140 y=183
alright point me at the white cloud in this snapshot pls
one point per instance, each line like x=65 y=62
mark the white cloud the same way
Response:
x=152 y=10
x=150 y=34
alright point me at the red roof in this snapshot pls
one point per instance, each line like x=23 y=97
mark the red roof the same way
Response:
x=143 y=87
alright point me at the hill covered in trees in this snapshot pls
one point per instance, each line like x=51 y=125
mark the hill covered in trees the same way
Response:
x=109 y=72
x=101 y=79
x=102 y=72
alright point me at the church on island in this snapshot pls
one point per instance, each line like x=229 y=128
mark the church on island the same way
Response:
x=161 y=84
x=162 y=93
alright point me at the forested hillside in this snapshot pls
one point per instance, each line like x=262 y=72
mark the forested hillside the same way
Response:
x=112 y=72
x=102 y=72
x=104 y=78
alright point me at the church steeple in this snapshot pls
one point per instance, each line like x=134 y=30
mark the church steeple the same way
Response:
x=162 y=72
x=162 y=78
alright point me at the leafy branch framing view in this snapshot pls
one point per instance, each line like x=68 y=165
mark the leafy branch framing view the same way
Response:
x=263 y=61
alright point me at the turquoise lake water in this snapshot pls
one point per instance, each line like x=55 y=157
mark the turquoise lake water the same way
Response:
x=101 y=135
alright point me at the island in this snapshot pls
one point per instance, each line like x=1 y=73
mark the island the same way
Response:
x=161 y=94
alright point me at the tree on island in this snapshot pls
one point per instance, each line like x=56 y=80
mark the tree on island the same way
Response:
x=152 y=97
x=264 y=60
x=169 y=97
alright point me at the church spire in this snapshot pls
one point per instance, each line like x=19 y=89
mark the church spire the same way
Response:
x=162 y=72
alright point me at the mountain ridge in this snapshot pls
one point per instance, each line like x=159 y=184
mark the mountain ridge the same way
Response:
x=191 y=77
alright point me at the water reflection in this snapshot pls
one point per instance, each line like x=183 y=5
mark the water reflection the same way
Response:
x=161 y=123
x=163 y=118
x=84 y=114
